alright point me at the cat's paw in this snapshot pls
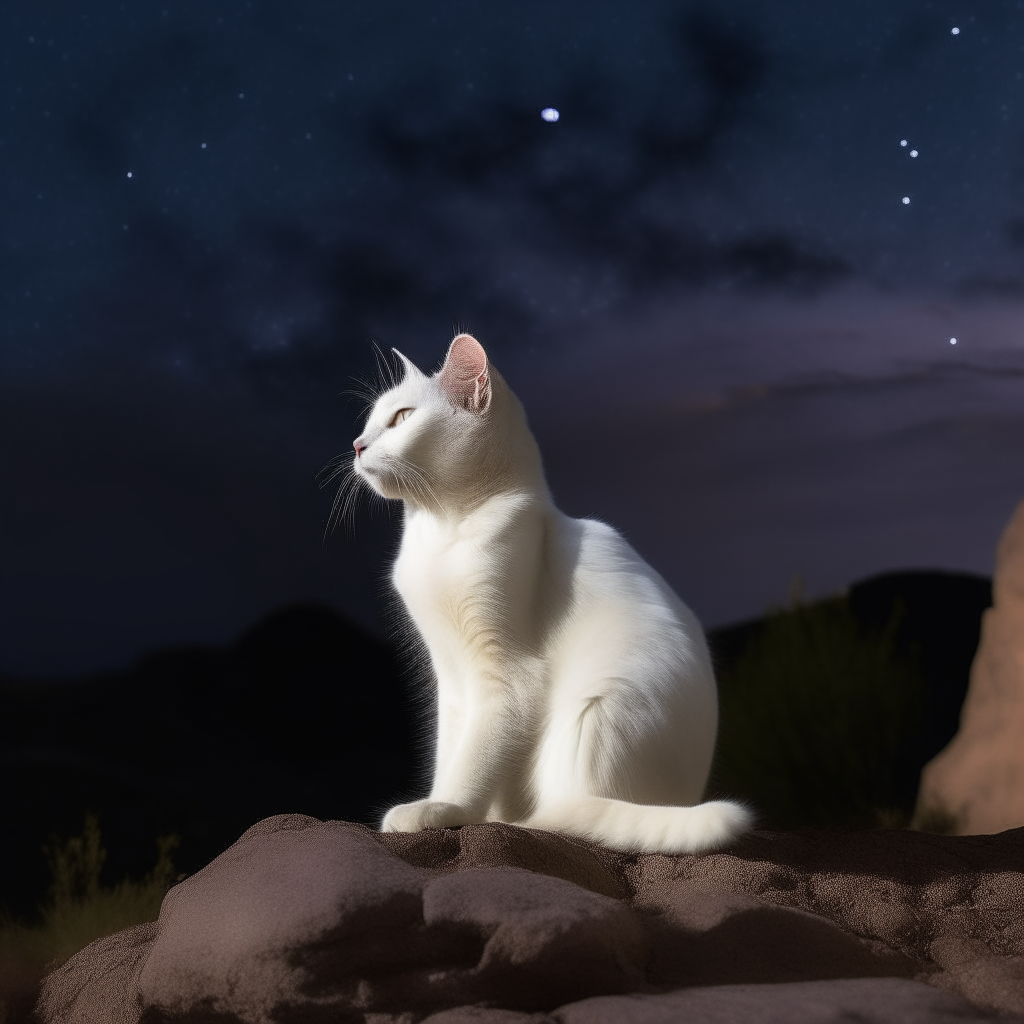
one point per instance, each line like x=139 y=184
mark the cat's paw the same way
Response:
x=421 y=814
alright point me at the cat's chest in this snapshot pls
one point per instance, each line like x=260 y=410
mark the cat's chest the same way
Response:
x=438 y=569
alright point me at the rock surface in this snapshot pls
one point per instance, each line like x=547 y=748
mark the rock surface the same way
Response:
x=977 y=782
x=310 y=921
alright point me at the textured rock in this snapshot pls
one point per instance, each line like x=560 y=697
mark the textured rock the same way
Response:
x=977 y=782
x=310 y=921
x=878 y=1001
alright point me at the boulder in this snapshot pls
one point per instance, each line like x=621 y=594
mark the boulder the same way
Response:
x=976 y=784
x=304 y=920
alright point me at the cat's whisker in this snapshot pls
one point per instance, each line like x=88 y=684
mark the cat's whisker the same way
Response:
x=345 y=497
x=367 y=391
x=329 y=479
x=336 y=504
x=356 y=489
x=432 y=495
x=379 y=359
x=418 y=482
x=386 y=370
x=334 y=468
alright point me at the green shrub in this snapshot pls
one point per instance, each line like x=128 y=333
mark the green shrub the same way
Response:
x=815 y=717
x=78 y=910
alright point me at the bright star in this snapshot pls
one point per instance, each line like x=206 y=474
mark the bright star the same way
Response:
x=550 y=115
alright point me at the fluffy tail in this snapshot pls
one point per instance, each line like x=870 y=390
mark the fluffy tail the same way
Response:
x=642 y=828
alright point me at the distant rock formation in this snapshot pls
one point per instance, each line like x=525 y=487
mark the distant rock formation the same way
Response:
x=976 y=785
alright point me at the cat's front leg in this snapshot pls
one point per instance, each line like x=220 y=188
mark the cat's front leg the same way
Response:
x=434 y=812
x=421 y=814
x=475 y=760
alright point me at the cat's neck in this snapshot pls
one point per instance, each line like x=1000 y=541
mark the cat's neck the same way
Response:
x=512 y=471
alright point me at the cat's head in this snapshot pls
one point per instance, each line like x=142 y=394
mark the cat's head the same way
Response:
x=450 y=437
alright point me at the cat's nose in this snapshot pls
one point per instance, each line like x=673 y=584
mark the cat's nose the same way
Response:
x=360 y=446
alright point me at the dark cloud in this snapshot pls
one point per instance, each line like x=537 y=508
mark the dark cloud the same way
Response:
x=595 y=190
x=289 y=304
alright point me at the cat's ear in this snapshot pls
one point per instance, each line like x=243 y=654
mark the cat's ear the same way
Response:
x=412 y=371
x=465 y=377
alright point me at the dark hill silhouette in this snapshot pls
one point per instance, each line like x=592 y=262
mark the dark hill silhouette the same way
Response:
x=307 y=713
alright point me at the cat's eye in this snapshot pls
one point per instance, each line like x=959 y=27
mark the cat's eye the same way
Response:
x=399 y=417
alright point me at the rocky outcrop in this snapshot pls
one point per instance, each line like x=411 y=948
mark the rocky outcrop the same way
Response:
x=976 y=785
x=306 y=921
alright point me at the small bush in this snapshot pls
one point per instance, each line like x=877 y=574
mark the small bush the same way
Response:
x=78 y=910
x=936 y=819
x=815 y=718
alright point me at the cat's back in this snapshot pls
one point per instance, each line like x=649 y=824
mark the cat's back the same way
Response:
x=610 y=576
x=607 y=565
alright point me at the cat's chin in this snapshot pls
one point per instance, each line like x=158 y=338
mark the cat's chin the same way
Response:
x=385 y=484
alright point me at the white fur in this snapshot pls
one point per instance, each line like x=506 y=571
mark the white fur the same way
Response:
x=574 y=689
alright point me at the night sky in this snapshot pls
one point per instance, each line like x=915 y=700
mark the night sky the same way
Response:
x=722 y=285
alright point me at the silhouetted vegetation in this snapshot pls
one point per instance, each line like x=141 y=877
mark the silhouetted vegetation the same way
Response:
x=78 y=909
x=818 y=715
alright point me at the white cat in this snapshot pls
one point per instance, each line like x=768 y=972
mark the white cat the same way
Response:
x=575 y=692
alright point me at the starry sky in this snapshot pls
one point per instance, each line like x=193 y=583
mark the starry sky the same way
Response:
x=725 y=282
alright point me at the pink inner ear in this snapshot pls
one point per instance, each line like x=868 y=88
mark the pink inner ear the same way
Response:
x=464 y=375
